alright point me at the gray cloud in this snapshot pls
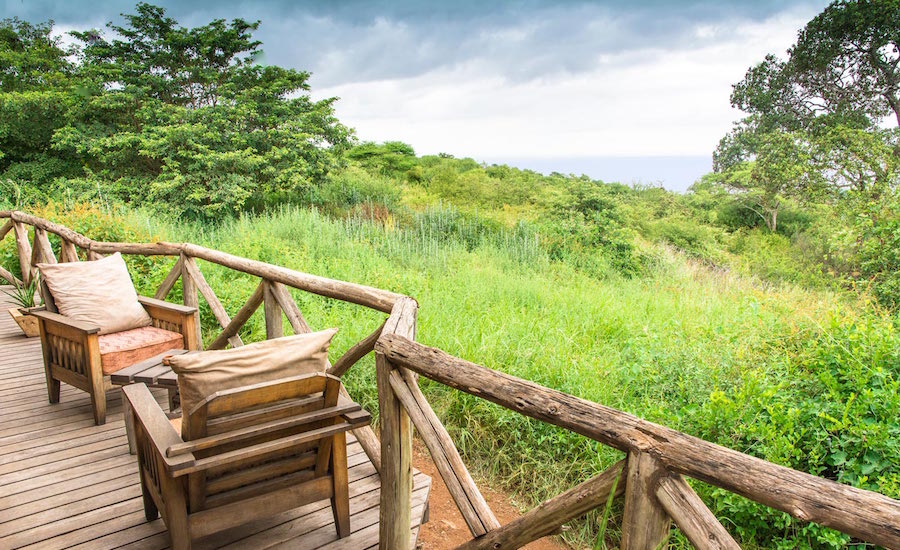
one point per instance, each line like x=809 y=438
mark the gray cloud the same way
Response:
x=358 y=41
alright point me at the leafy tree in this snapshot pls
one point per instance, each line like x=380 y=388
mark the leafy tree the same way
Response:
x=176 y=65
x=815 y=118
x=31 y=59
x=843 y=70
x=849 y=57
x=779 y=172
x=184 y=116
x=37 y=89
x=391 y=158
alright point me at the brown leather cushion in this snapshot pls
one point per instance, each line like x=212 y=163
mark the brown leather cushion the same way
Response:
x=123 y=349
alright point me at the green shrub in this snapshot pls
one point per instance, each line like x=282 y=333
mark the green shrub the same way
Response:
x=830 y=408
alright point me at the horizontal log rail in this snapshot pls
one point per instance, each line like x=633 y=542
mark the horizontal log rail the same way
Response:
x=374 y=298
x=656 y=454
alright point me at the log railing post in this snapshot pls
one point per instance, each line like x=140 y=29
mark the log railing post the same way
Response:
x=67 y=252
x=169 y=282
x=43 y=242
x=24 y=249
x=215 y=306
x=5 y=228
x=396 y=439
x=190 y=299
x=645 y=524
x=274 y=322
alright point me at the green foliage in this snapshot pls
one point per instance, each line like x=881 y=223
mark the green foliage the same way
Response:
x=391 y=158
x=30 y=58
x=878 y=227
x=165 y=115
x=25 y=294
x=830 y=409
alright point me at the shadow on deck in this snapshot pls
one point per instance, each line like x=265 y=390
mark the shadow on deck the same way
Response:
x=66 y=483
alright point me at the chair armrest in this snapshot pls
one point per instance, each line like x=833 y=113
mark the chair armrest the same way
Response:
x=155 y=425
x=57 y=319
x=153 y=303
x=348 y=411
x=260 y=449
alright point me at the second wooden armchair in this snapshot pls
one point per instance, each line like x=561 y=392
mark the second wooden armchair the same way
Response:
x=249 y=453
x=76 y=354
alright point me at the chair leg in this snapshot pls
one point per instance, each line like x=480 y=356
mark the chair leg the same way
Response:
x=52 y=388
x=129 y=425
x=174 y=400
x=98 y=402
x=173 y=499
x=340 y=502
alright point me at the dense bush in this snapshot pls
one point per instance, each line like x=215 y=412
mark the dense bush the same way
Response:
x=830 y=408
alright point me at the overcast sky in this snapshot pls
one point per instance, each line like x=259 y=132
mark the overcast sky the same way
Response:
x=627 y=91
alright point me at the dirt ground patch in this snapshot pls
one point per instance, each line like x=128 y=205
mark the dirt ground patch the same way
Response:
x=446 y=528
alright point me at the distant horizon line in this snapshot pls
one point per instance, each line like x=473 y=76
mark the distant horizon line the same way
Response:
x=673 y=172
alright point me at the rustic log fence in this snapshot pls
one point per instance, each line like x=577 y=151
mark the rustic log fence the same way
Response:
x=651 y=478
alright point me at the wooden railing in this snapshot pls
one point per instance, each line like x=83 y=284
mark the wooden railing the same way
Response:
x=651 y=478
x=272 y=291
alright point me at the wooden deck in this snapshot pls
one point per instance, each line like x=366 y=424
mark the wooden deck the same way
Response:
x=47 y=503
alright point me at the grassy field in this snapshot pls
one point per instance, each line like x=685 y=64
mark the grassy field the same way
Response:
x=725 y=357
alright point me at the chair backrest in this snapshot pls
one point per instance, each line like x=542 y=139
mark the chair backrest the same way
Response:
x=277 y=424
x=47 y=297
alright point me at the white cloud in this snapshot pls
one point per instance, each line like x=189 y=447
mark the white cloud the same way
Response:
x=639 y=102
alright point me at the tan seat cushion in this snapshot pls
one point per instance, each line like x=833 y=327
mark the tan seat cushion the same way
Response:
x=123 y=349
x=202 y=374
x=176 y=423
x=98 y=292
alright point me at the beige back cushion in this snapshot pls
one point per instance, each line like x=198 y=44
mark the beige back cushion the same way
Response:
x=203 y=374
x=98 y=292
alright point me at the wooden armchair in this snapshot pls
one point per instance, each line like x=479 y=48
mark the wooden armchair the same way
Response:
x=75 y=354
x=253 y=452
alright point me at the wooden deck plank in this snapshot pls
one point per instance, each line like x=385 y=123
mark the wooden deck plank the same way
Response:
x=66 y=483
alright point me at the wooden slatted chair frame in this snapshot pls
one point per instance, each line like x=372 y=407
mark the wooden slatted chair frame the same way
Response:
x=71 y=348
x=251 y=452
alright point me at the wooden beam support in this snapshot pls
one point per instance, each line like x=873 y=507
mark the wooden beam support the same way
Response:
x=460 y=486
x=645 y=524
x=23 y=247
x=866 y=515
x=448 y=449
x=294 y=316
x=274 y=326
x=190 y=299
x=374 y=298
x=55 y=228
x=692 y=516
x=240 y=317
x=218 y=310
x=169 y=282
x=396 y=440
x=549 y=516
x=46 y=254
x=9 y=277
x=68 y=252
x=357 y=352
x=6 y=228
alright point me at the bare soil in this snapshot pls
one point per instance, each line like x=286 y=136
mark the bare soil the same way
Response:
x=446 y=528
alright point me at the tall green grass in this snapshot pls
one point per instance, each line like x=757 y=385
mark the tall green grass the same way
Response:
x=697 y=349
